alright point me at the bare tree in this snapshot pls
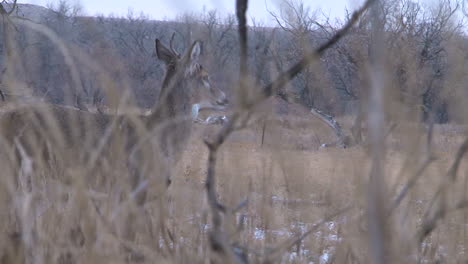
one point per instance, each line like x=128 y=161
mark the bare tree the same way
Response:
x=6 y=9
x=422 y=34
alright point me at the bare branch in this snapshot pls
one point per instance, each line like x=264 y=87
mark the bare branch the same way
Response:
x=3 y=11
x=411 y=182
x=278 y=83
x=419 y=172
x=465 y=7
x=241 y=17
x=433 y=215
x=286 y=76
x=273 y=253
x=219 y=240
x=241 y=9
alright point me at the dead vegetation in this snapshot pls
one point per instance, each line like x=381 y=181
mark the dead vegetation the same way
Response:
x=259 y=188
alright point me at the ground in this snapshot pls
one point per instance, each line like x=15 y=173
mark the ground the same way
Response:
x=279 y=174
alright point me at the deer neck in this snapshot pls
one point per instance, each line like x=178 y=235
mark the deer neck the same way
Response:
x=172 y=103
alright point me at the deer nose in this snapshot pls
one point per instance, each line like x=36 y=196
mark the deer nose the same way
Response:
x=223 y=101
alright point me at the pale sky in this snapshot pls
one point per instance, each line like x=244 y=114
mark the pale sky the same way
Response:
x=169 y=9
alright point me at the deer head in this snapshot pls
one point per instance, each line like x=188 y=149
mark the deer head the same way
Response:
x=186 y=82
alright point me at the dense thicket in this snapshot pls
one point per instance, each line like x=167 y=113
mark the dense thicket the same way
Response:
x=426 y=45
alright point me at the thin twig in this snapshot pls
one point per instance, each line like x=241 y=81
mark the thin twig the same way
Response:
x=286 y=76
x=411 y=182
x=293 y=241
x=3 y=11
x=218 y=238
x=430 y=221
x=241 y=10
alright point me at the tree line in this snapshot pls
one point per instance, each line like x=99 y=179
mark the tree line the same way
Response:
x=426 y=50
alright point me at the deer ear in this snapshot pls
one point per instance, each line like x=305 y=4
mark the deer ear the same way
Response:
x=164 y=53
x=195 y=50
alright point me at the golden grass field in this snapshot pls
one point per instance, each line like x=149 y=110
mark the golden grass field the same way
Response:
x=68 y=192
x=66 y=215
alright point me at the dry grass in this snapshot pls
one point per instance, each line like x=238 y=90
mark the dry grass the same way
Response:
x=63 y=216
x=289 y=190
x=67 y=194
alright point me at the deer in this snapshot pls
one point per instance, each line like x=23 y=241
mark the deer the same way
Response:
x=31 y=131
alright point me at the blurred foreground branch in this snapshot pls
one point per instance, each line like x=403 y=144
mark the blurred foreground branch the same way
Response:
x=218 y=238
